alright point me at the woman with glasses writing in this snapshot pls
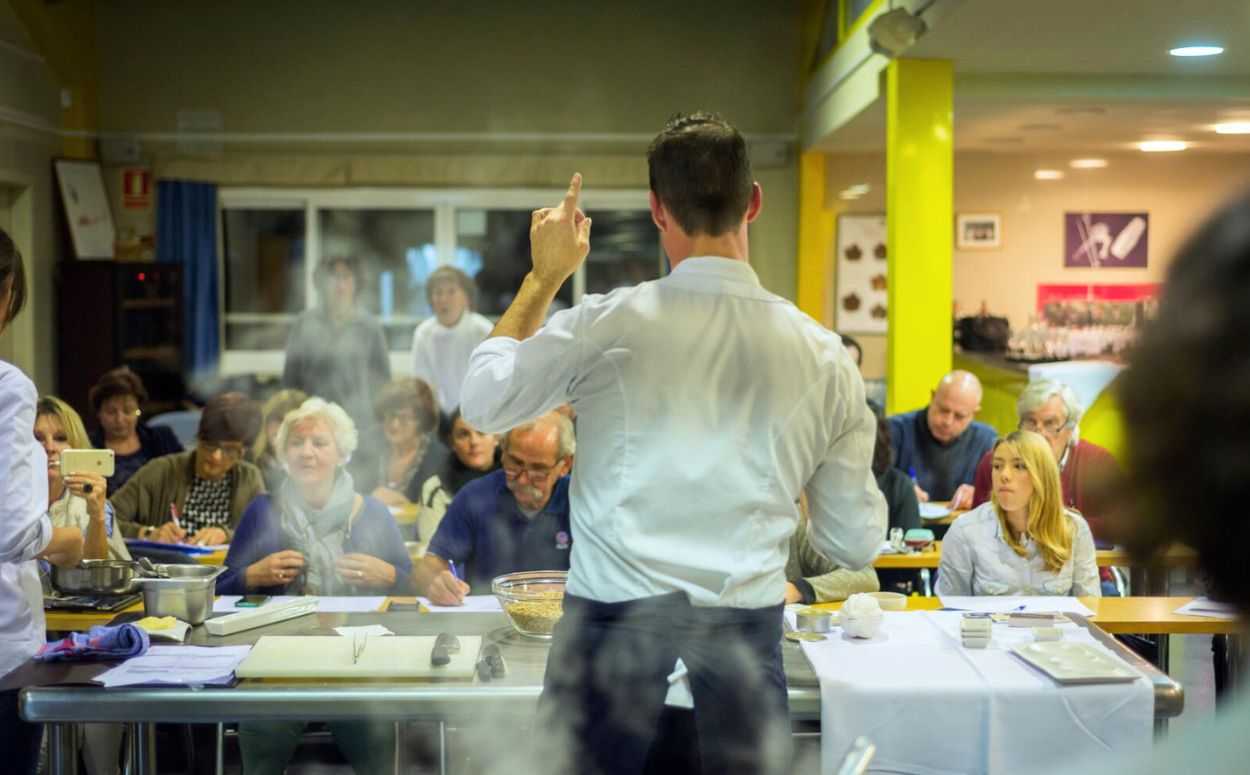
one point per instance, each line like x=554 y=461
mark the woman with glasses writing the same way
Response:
x=1052 y=409
x=1023 y=542
x=196 y=496
x=316 y=535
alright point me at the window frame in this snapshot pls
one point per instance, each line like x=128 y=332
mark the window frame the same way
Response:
x=444 y=202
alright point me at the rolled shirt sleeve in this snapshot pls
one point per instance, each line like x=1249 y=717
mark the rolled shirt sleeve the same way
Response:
x=848 y=512
x=510 y=382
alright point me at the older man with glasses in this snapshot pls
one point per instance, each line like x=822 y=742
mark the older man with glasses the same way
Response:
x=1052 y=409
x=514 y=519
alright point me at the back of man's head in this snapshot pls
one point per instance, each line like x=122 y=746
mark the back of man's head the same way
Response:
x=701 y=173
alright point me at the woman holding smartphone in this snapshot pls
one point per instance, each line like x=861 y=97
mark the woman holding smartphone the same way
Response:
x=26 y=533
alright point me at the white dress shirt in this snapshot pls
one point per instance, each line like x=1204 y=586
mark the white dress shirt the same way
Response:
x=705 y=405
x=440 y=355
x=25 y=529
x=976 y=560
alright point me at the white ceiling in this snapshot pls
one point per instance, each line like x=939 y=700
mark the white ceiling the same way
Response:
x=1082 y=76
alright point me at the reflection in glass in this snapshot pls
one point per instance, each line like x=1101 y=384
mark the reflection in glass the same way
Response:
x=264 y=275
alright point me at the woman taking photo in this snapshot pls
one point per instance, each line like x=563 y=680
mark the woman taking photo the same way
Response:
x=26 y=533
x=1022 y=542
x=76 y=500
x=316 y=535
x=117 y=399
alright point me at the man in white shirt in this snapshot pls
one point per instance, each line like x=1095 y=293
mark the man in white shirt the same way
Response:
x=441 y=345
x=705 y=405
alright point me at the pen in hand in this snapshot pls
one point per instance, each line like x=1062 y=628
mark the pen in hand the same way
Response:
x=454 y=572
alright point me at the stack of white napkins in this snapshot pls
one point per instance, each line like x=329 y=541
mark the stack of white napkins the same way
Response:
x=975 y=633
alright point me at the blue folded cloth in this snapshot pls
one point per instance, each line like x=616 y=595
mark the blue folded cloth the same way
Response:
x=120 y=642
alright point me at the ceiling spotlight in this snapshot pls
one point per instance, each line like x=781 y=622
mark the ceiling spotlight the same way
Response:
x=1048 y=175
x=1196 y=51
x=893 y=32
x=1087 y=164
x=1162 y=146
x=1233 y=128
x=849 y=194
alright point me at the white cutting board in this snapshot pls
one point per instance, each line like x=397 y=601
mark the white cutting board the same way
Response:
x=391 y=656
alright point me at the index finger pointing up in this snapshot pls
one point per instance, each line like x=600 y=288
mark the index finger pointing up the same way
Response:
x=570 y=196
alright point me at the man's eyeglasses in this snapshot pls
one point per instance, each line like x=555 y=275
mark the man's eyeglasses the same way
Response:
x=513 y=468
x=228 y=449
x=1049 y=427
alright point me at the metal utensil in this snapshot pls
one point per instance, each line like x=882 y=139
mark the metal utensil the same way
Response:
x=95 y=577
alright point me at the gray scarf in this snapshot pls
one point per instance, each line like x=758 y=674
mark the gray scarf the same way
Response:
x=319 y=533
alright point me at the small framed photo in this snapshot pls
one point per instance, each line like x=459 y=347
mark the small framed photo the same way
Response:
x=978 y=231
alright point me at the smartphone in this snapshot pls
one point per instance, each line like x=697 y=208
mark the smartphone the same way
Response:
x=96 y=461
x=251 y=601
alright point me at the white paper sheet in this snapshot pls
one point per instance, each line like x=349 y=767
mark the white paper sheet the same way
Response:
x=1201 y=606
x=1006 y=605
x=370 y=630
x=343 y=605
x=178 y=665
x=934 y=510
x=931 y=706
x=473 y=604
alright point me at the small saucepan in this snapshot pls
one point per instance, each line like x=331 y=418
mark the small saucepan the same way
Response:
x=95 y=577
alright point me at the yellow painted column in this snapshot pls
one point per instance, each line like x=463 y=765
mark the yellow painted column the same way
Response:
x=919 y=225
x=816 y=225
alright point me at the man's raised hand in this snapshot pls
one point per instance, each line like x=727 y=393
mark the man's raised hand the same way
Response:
x=560 y=237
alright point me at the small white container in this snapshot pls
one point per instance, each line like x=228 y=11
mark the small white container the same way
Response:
x=1047 y=634
x=976 y=643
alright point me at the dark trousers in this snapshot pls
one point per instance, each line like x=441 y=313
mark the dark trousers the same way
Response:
x=19 y=741
x=602 y=708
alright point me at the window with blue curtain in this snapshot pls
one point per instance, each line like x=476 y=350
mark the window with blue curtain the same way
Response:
x=186 y=233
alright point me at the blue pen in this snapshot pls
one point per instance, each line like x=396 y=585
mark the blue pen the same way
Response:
x=1017 y=608
x=912 y=473
x=455 y=572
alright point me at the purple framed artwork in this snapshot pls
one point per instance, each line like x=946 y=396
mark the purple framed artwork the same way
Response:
x=1105 y=239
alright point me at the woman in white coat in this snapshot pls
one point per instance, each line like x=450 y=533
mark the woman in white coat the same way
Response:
x=26 y=533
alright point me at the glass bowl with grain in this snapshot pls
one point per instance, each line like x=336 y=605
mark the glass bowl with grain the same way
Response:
x=533 y=600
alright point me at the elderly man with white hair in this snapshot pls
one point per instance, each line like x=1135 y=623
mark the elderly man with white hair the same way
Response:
x=1051 y=408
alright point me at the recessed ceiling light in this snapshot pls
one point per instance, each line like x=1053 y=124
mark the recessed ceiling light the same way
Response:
x=1196 y=51
x=1087 y=164
x=1048 y=174
x=848 y=194
x=1233 y=128
x=1161 y=146
x=859 y=189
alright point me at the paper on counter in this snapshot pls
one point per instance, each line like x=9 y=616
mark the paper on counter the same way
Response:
x=473 y=604
x=934 y=510
x=368 y=630
x=1010 y=604
x=1201 y=606
x=888 y=548
x=178 y=665
x=343 y=605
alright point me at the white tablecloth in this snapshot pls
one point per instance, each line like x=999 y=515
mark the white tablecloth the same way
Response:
x=932 y=706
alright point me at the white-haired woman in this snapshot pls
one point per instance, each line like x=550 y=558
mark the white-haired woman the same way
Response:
x=316 y=535
x=1053 y=410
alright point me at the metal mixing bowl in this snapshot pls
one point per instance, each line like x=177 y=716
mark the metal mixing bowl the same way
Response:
x=95 y=577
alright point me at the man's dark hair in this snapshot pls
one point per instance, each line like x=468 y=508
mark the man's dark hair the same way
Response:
x=229 y=417
x=326 y=267
x=1186 y=402
x=701 y=172
x=13 y=272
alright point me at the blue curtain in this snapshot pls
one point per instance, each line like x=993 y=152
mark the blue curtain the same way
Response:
x=186 y=233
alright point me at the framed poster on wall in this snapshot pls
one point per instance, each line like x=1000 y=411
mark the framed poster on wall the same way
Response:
x=86 y=204
x=1102 y=240
x=861 y=275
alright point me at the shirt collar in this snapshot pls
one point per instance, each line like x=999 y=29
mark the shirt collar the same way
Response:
x=729 y=270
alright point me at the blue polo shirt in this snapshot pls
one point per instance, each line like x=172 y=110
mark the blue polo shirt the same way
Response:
x=486 y=535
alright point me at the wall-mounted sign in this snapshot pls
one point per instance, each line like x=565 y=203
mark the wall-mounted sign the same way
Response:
x=136 y=190
x=861 y=275
x=1103 y=240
